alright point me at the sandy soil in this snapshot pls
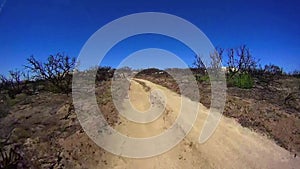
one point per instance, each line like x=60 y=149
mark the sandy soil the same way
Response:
x=271 y=107
x=231 y=146
x=47 y=134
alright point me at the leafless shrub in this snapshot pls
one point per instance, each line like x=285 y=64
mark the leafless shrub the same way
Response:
x=57 y=70
x=13 y=84
x=273 y=69
x=198 y=63
x=295 y=73
x=216 y=59
x=241 y=60
x=214 y=65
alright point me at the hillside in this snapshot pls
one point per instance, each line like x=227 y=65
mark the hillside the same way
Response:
x=43 y=132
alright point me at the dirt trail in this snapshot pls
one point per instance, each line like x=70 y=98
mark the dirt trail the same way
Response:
x=231 y=146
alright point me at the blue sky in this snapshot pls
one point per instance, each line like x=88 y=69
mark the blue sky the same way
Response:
x=271 y=29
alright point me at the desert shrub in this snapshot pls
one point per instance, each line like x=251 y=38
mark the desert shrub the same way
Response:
x=273 y=69
x=267 y=74
x=292 y=100
x=149 y=72
x=240 y=60
x=13 y=84
x=243 y=81
x=198 y=63
x=200 y=69
x=296 y=73
x=56 y=70
x=202 y=78
x=104 y=73
x=258 y=72
x=198 y=72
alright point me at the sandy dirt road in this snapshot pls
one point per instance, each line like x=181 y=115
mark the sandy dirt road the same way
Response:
x=231 y=145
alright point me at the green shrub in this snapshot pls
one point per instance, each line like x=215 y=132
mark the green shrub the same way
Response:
x=243 y=81
x=202 y=78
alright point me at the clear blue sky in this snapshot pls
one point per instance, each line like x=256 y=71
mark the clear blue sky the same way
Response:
x=271 y=29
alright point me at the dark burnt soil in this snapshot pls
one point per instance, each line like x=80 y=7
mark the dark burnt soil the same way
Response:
x=270 y=108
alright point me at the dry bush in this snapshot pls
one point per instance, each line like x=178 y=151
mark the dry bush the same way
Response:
x=14 y=83
x=57 y=70
x=240 y=60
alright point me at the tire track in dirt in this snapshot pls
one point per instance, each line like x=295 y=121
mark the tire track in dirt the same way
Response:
x=231 y=145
